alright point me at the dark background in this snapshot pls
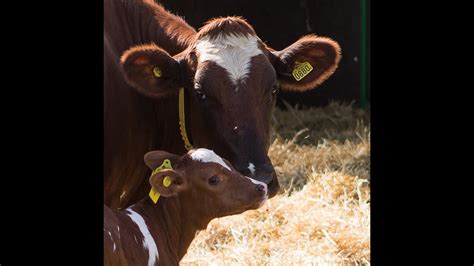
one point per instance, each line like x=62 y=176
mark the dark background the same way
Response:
x=279 y=25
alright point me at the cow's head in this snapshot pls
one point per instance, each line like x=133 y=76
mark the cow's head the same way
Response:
x=232 y=79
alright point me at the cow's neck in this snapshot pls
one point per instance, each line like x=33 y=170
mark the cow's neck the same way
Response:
x=173 y=222
x=132 y=130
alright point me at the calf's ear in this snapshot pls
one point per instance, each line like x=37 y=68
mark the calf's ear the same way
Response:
x=154 y=159
x=168 y=182
x=151 y=70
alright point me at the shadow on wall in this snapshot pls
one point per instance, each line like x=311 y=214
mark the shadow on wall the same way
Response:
x=281 y=24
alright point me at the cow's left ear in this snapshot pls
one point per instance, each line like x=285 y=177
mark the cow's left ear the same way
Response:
x=306 y=63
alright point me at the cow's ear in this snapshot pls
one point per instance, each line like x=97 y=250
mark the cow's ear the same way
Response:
x=151 y=70
x=306 y=63
x=168 y=182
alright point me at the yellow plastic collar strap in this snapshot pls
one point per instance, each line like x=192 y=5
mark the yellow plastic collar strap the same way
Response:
x=182 y=121
x=155 y=195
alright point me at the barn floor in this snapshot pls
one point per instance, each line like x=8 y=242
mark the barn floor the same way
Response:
x=322 y=214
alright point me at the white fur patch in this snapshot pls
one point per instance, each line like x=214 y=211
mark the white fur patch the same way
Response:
x=231 y=52
x=148 y=241
x=251 y=168
x=206 y=156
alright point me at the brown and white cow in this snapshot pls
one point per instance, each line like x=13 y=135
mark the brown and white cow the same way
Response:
x=230 y=78
x=203 y=186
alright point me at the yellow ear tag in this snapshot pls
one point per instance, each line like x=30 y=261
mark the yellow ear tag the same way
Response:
x=154 y=194
x=166 y=181
x=302 y=70
x=157 y=72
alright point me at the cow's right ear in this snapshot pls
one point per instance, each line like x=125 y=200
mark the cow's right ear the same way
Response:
x=151 y=70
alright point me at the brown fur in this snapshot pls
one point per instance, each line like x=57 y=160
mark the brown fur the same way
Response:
x=174 y=220
x=225 y=25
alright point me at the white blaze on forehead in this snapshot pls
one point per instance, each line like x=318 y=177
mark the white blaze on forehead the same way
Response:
x=251 y=167
x=207 y=156
x=231 y=52
x=148 y=241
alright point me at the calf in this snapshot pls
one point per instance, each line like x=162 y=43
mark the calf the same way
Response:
x=189 y=192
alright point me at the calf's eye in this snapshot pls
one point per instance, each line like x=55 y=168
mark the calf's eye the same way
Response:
x=213 y=180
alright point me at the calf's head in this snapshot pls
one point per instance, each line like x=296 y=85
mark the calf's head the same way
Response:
x=206 y=181
x=231 y=79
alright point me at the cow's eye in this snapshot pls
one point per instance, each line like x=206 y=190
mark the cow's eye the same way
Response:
x=275 y=87
x=213 y=180
x=200 y=94
x=275 y=90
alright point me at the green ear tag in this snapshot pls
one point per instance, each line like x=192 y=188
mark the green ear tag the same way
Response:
x=157 y=72
x=154 y=194
x=302 y=70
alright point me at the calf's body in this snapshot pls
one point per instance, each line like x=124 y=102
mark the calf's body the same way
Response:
x=203 y=187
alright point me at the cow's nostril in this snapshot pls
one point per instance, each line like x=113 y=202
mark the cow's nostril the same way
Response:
x=260 y=188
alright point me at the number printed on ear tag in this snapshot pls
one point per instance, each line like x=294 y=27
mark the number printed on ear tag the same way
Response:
x=302 y=70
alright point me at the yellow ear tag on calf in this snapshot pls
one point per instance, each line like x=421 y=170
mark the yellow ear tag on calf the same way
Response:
x=166 y=181
x=154 y=195
x=302 y=70
x=157 y=72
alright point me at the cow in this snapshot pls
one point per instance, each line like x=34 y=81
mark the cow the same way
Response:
x=158 y=231
x=225 y=77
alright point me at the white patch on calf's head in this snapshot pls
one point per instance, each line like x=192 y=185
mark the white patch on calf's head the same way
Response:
x=206 y=156
x=148 y=241
x=231 y=52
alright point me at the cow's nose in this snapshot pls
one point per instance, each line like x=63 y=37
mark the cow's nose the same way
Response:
x=264 y=173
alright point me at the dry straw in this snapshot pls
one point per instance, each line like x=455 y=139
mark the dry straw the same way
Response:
x=321 y=215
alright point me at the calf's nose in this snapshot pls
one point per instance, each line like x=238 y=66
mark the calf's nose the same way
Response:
x=260 y=188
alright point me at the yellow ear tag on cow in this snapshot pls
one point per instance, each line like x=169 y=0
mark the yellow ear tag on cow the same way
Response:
x=154 y=194
x=302 y=70
x=157 y=72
